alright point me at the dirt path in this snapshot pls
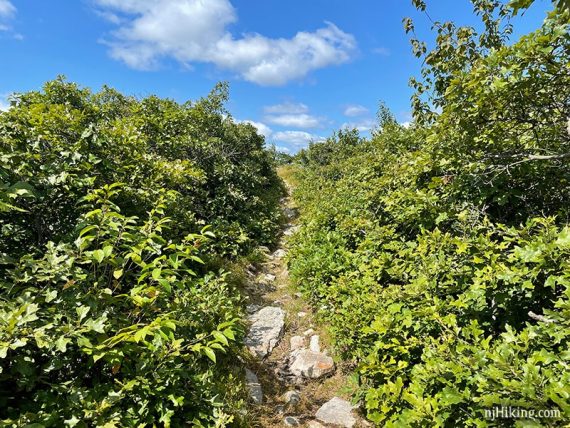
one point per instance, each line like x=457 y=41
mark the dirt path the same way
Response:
x=294 y=379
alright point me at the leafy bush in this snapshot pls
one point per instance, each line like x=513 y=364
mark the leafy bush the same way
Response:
x=439 y=254
x=113 y=311
x=65 y=141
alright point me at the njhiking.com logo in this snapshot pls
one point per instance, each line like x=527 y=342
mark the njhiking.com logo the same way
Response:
x=513 y=412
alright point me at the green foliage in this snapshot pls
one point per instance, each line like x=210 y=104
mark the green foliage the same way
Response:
x=110 y=313
x=65 y=141
x=439 y=255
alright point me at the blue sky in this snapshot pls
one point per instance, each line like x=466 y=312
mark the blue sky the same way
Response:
x=297 y=69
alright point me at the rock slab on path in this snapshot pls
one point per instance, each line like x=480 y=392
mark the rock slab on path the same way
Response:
x=309 y=364
x=297 y=342
x=255 y=391
x=314 y=344
x=337 y=412
x=266 y=330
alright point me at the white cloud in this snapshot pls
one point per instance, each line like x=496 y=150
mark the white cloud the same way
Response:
x=286 y=108
x=262 y=128
x=192 y=31
x=406 y=124
x=7 y=9
x=294 y=120
x=7 y=12
x=296 y=138
x=362 y=125
x=291 y=115
x=355 y=110
x=283 y=149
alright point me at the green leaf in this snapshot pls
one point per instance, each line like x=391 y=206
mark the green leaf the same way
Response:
x=82 y=311
x=220 y=337
x=209 y=352
x=61 y=343
x=98 y=255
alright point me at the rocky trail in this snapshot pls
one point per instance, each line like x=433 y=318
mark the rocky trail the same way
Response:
x=293 y=379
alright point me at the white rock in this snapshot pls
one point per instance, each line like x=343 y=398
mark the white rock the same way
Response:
x=309 y=364
x=255 y=391
x=314 y=344
x=308 y=332
x=269 y=277
x=302 y=314
x=292 y=397
x=291 y=230
x=265 y=331
x=280 y=253
x=291 y=421
x=297 y=342
x=314 y=424
x=337 y=412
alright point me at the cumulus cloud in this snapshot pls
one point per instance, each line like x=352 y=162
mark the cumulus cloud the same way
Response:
x=355 y=110
x=262 y=128
x=191 y=31
x=291 y=115
x=362 y=125
x=296 y=138
x=294 y=120
x=283 y=149
x=286 y=108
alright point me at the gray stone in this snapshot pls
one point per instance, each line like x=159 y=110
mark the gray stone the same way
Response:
x=280 y=253
x=314 y=344
x=255 y=391
x=265 y=331
x=309 y=364
x=297 y=342
x=269 y=277
x=292 y=397
x=291 y=230
x=251 y=309
x=291 y=421
x=337 y=412
x=290 y=213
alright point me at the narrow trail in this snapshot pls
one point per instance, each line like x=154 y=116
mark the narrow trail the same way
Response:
x=293 y=379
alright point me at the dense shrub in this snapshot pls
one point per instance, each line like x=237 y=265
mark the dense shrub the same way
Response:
x=110 y=314
x=439 y=255
x=65 y=140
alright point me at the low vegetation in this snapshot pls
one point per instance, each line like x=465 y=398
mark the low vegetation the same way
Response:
x=439 y=254
x=117 y=218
